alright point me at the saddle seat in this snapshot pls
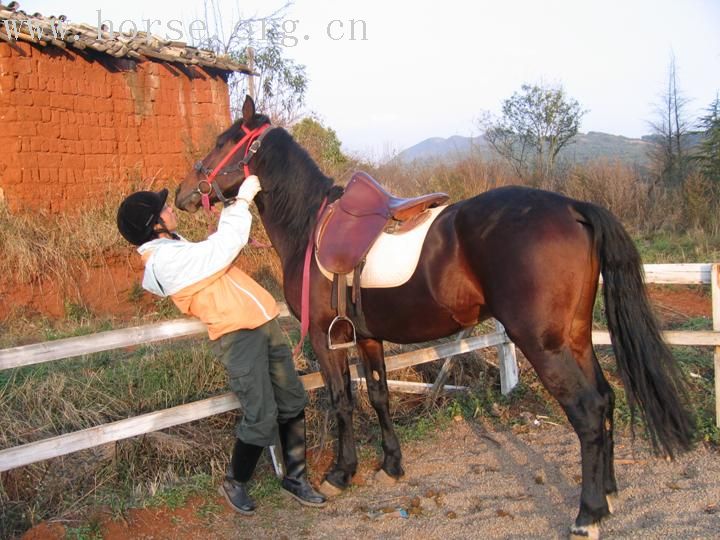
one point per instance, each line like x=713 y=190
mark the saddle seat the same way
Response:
x=365 y=196
x=349 y=226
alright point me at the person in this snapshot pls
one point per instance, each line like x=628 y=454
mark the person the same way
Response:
x=241 y=318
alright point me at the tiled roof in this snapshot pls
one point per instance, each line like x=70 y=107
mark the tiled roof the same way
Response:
x=84 y=37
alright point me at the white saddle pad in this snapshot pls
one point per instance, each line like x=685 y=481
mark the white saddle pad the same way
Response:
x=393 y=258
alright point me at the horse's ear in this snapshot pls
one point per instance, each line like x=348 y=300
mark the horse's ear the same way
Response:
x=248 y=110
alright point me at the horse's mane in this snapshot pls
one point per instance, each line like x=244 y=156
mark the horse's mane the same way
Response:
x=297 y=185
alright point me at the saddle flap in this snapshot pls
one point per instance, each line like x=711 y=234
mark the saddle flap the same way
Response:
x=343 y=239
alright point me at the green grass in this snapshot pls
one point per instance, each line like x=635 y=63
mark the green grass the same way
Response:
x=697 y=364
x=89 y=531
x=424 y=426
x=688 y=247
x=265 y=486
x=696 y=324
x=175 y=496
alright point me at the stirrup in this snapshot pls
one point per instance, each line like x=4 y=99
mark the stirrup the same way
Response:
x=346 y=345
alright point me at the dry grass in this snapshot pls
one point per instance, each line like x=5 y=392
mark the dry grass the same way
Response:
x=65 y=396
x=37 y=244
x=643 y=205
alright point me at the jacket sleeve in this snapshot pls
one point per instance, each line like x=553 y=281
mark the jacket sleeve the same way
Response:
x=179 y=264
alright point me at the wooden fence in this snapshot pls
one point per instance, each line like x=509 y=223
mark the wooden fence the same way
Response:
x=66 y=348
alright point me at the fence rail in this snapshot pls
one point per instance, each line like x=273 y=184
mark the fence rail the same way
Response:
x=70 y=347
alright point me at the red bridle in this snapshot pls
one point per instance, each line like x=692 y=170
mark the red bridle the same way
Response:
x=252 y=140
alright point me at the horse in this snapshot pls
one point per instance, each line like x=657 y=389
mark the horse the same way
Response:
x=529 y=258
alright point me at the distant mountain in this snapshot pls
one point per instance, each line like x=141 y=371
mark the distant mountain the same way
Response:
x=585 y=146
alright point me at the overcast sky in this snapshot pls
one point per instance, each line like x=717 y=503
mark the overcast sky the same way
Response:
x=429 y=68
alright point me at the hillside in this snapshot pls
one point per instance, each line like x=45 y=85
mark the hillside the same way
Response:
x=586 y=146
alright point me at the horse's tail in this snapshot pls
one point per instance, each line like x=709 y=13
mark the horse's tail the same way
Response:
x=652 y=379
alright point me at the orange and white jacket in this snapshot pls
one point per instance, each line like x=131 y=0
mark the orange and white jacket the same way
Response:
x=202 y=281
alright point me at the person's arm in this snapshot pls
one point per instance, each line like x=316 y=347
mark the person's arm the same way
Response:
x=178 y=265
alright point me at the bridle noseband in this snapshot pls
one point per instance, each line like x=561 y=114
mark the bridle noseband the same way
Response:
x=253 y=139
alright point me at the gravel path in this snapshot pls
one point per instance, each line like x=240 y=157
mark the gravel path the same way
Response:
x=471 y=483
x=468 y=482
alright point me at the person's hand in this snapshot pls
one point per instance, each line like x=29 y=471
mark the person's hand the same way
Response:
x=249 y=188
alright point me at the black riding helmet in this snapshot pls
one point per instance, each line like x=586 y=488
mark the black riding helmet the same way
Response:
x=139 y=213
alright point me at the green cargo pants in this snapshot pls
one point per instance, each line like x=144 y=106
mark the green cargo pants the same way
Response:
x=262 y=374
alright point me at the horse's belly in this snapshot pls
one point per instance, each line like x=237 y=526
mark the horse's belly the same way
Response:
x=393 y=258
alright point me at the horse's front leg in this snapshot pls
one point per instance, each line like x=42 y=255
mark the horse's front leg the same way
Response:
x=336 y=373
x=373 y=359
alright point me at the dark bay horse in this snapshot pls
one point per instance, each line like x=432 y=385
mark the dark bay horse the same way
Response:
x=529 y=258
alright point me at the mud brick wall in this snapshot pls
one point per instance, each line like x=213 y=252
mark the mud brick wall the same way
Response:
x=72 y=128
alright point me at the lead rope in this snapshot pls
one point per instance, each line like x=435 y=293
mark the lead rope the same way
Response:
x=305 y=294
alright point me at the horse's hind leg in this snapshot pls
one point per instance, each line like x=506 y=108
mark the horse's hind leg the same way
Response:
x=373 y=359
x=586 y=409
x=336 y=373
x=608 y=396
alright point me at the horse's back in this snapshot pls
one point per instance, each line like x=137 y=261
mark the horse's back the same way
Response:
x=517 y=218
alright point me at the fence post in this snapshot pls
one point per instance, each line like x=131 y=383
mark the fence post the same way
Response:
x=507 y=361
x=715 y=285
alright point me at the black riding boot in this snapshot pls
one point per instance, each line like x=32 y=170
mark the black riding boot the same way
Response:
x=234 y=486
x=295 y=483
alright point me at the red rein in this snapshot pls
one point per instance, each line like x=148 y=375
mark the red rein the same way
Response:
x=305 y=294
x=250 y=136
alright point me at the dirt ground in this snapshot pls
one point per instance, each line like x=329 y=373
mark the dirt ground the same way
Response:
x=468 y=481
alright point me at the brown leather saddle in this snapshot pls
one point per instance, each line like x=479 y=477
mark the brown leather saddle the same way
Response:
x=349 y=227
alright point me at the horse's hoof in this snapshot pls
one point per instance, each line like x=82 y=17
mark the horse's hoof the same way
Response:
x=384 y=479
x=327 y=489
x=585 y=532
x=612 y=501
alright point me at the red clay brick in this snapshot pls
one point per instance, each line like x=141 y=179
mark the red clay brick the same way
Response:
x=41 y=99
x=7 y=83
x=8 y=114
x=24 y=65
x=52 y=159
x=12 y=176
x=29 y=113
x=60 y=101
x=21 y=98
x=69 y=132
x=70 y=86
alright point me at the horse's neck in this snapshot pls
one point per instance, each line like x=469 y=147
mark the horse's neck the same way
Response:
x=290 y=210
x=285 y=245
x=288 y=238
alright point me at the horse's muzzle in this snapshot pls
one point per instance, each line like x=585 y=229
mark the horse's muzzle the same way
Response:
x=189 y=203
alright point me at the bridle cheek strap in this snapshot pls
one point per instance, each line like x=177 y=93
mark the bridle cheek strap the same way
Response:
x=250 y=138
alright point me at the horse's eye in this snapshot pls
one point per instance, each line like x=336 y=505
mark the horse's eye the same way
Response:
x=199 y=166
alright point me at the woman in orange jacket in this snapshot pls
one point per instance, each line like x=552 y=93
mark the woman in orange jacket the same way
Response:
x=241 y=317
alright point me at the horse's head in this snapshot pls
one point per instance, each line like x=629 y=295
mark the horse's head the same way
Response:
x=219 y=174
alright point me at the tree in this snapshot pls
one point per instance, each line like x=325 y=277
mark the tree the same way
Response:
x=536 y=123
x=279 y=90
x=322 y=144
x=670 y=130
x=708 y=154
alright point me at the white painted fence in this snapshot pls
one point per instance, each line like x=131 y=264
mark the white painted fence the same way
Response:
x=103 y=341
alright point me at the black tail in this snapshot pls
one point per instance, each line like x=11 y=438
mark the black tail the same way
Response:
x=652 y=379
